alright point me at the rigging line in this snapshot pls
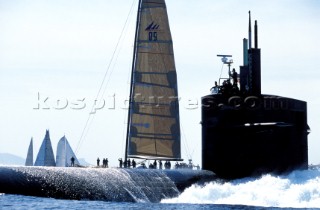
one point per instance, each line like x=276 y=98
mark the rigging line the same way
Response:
x=185 y=142
x=117 y=56
x=124 y=30
x=103 y=80
x=98 y=97
x=114 y=64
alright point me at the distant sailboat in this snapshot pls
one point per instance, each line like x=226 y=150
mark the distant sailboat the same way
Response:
x=65 y=153
x=45 y=155
x=153 y=118
x=29 y=160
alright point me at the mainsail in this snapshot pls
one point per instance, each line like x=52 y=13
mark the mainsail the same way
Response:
x=45 y=155
x=65 y=153
x=29 y=160
x=153 y=121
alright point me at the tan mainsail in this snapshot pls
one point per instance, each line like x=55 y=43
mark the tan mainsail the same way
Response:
x=154 y=127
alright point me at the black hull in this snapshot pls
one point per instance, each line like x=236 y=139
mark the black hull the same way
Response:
x=251 y=135
x=121 y=185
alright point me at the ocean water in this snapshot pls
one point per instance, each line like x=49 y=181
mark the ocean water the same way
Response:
x=36 y=203
x=299 y=189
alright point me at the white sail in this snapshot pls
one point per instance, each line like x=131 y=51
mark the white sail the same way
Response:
x=65 y=153
x=29 y=159
x=153 y=127
x=45 y=155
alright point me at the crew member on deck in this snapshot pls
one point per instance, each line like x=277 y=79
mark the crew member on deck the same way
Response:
x=234 y=76
x=160 y=164
x=120 y=162
x=133 y=163
x=177 y=165
x=215 y=88
x=226 y=87
x=198 y=167
x=106 y=163
x=98 y=162
x=72 y=161
x=151 y=166
x=129 y=163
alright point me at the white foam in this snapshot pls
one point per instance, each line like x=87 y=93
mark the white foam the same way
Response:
x=298 y=189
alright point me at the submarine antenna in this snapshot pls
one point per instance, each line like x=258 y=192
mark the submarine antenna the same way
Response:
x=255 y=34
x=225 y=60
x=249 y=30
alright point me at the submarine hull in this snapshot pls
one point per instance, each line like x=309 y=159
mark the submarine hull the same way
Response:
x=251 y=135
x=107 y=184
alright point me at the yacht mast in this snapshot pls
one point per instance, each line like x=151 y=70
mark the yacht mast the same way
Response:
x=131 y=80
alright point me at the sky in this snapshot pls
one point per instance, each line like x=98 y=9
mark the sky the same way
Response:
x=54 y=56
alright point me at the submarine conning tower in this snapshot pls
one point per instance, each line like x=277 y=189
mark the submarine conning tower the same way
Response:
x=247 y=133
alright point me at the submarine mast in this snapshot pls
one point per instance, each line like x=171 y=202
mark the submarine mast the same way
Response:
x=250 y=72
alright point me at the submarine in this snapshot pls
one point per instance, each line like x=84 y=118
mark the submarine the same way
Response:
x=244 y=133
x=247 y=133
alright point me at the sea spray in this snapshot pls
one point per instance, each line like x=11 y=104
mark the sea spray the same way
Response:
x=297 y=189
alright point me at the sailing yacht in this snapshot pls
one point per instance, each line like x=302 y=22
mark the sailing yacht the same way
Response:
x=65 y=153
x=29 y=159
x=153 y=130
x=45 y=155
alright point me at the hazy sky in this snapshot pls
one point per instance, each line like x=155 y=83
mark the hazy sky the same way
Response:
x=61 y=50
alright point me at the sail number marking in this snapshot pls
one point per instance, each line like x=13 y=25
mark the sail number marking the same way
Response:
x=153 y=36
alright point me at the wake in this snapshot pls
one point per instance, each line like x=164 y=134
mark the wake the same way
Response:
x=297 y=189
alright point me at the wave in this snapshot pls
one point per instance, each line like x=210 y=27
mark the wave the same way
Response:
x=297 y=189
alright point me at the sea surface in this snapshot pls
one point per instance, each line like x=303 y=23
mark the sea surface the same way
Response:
x=299 y=189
